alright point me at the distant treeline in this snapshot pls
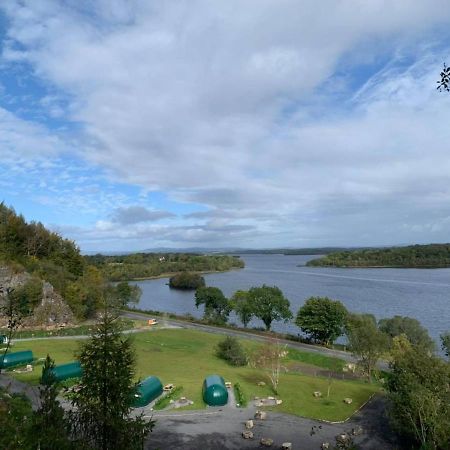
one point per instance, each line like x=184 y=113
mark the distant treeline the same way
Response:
x=297 y=251
x=421 y=256
x=148 y=265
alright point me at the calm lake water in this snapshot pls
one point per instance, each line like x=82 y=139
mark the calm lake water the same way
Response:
x=420 y=293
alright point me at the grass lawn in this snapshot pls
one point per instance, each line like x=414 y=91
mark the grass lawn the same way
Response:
x=186 y=357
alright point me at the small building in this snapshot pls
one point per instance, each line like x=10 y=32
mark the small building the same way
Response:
x=16 y=359
x=147 y=390
x=66 y=371
x=214 y=391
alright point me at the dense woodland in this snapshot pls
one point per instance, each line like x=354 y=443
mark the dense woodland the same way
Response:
x=30 y=247
x=432 y=255
x=81 y=280
x=147 y=265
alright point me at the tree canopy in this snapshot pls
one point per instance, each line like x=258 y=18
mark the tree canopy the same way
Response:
x=242 y=306
x=411 y=328
x=187 y=281
x=366 y=341
x=322 y=319
x=268 y=304
x=418 y=390
x=217 y=306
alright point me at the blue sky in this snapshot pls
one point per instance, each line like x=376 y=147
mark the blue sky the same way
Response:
x=127 y=125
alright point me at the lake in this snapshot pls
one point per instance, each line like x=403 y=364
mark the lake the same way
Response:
x=420 y=293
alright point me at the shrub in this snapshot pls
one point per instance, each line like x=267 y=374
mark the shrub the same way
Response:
x=239 y=395
x=163 y=402
x=231 y=351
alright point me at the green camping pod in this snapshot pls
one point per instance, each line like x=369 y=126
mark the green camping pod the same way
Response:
x=16 y=359
x=147 y=391
x=66 y=371
x=214 y=391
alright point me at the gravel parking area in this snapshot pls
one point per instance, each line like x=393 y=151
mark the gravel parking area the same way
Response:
x=221 y=428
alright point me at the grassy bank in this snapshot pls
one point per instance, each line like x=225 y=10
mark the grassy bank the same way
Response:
x=186 y=357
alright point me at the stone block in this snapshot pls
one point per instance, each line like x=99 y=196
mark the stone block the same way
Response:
x=266 y=442
x=247 y=434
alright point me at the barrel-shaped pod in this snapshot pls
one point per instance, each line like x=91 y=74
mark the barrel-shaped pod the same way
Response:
x=65 y=371
x=147 y=390
x=214 y=391
x=16 y=359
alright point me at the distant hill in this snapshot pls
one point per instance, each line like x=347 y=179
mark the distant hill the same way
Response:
x=419 y=256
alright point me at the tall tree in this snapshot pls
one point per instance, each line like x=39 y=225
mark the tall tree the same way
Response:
x=103 y=402
x=411 y=328
x=367 y=342
x=268 y=304
x=243 y=308
x=269 y=357
x=49 y=428
x=217 y=306
x=418 y=390
x=322 y=319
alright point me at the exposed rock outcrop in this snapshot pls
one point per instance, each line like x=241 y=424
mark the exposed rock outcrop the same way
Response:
x=52 y=309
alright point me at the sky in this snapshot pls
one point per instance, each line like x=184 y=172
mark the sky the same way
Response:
x=134 y=124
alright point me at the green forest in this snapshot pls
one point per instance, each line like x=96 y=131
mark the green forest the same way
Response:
x=148 y=265
x=29 y=247
x=419 y=256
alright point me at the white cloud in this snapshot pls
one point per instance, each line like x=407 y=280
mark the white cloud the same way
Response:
x=225 y=104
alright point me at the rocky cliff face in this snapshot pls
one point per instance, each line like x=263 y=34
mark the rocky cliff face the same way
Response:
x=52 y=309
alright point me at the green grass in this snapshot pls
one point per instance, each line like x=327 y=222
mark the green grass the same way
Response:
x=186 y=357
x=79 y=330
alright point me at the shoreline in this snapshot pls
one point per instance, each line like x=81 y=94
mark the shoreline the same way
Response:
x=171 y=274
x=375 y=267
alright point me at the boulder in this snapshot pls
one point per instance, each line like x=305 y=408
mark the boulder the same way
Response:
x=247 y=434
x=266 y=442
x=261 y=415
x=342 y=439
x=279 y=402
x=249 y=424
x=357 y=430
x=317 y=394
x=261 y=383
x=348 y=400
x=286 y=446
x=325 y=446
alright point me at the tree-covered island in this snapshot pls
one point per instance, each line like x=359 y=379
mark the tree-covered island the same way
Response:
x=152 y=265
x=413 y=256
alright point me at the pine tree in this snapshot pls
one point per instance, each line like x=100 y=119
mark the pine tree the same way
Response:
x=101 y=417
x=49 y=427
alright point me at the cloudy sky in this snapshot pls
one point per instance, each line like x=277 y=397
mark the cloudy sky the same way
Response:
x=133 y=124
